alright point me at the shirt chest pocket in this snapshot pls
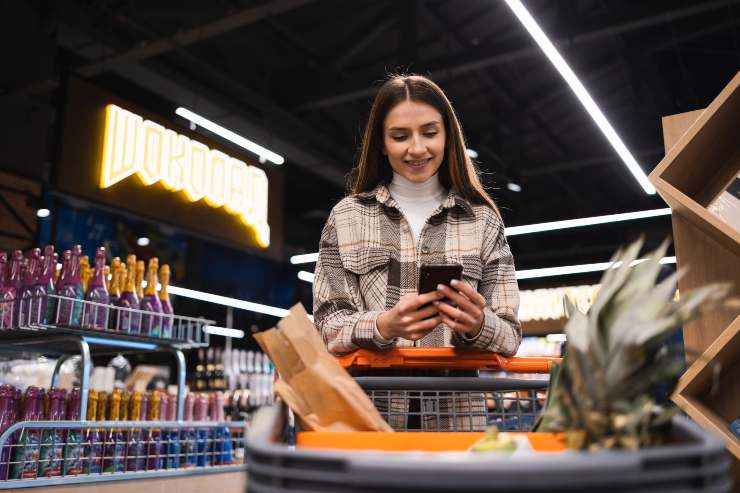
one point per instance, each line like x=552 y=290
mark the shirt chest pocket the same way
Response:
x=370 y=265
x=472 y=268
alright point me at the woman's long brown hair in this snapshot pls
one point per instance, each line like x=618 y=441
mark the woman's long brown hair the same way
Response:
x=457 y=171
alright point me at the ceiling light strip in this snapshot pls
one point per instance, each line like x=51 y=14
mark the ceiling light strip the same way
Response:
x=581 y=93
x=230 y=136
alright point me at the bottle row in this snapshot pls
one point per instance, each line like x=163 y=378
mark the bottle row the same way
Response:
x=234 y=369
x=61 y=450
x=33 y=291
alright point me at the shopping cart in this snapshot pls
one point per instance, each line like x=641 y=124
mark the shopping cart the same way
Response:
x=415 y=459
x=449 y=389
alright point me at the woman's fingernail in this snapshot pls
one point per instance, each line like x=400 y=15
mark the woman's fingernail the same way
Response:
x=454 y=282
x=440 y=287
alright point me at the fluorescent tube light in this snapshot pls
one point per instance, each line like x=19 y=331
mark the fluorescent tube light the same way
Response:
x=305 y=276
x=581 y=93
x=585 y=221
x=224 y=331
x=226 y=301
x=576 y=269
x=304 y=258
x=227 y=134
x=540 y=227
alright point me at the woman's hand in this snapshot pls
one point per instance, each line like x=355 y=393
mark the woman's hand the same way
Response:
x=463 y=312
x=408 y=319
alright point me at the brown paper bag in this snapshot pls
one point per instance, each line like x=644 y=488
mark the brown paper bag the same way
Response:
x=320 y=392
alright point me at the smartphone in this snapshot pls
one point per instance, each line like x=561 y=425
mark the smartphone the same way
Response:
x=430 y=275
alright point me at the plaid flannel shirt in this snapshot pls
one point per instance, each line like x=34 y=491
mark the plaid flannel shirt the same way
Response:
x=368 y=259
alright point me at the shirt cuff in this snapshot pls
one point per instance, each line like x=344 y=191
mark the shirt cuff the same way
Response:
x=378 y=337
x=483 y=338
x=366 y=334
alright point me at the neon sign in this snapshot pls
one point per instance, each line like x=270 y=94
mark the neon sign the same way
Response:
x=156 y=154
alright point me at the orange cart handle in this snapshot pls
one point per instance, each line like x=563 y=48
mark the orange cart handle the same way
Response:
x=446 y=358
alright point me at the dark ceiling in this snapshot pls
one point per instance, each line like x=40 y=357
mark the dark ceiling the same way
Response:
x=299 y=75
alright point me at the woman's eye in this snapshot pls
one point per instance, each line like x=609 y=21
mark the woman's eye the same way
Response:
x=398 y=138
x=430 y=134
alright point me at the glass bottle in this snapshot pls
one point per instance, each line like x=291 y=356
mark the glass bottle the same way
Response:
x=72 y=465
x=52 y=443
x=140 y=268
x=27 y=448
x=136 y=460
x=129 y=322
x=151 y=324
x=70 y=286
x=221 y=437
x=93 y=454
x=190 y=436
x=31 y=275
x=43 y=304
x=164 y=301
x=96 y=316
x=85 y=272
x=200 y=414
x=154 y=435
x=115 y=441
x=8 y=415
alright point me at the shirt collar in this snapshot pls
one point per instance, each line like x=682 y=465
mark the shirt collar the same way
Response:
x=383 y=196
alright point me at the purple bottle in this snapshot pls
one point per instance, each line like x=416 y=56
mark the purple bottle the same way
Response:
x=27 y=448
x=128 y=322
x=5 y=306
x=10 y=292
x=43 y=305
x=70 y=286
x=8 y=415
x=96 y=317
x=151 y=324
x=30 y=277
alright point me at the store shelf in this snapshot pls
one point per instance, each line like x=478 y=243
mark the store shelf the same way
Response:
x=708 y=390
x=543 y=327
x=27 y=318
x=214 y=448
x=702 y=156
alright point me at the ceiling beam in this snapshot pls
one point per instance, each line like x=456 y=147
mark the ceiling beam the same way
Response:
x=563 y=44
x=180 y=39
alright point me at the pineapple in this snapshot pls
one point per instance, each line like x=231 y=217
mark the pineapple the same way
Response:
x=600 y=393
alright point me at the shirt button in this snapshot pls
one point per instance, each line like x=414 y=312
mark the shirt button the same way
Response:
x=425 y=250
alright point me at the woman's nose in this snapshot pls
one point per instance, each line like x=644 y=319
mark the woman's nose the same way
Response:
x=417 y=146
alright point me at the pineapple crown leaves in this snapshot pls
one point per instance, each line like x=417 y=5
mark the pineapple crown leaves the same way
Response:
x=616 y=351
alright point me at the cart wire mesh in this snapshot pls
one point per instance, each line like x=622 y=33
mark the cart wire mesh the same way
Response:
x=456 y=403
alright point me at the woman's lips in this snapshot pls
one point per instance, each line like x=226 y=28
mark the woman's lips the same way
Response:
x=417 y=163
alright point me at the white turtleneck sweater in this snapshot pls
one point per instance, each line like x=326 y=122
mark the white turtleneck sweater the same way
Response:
x=417 y=200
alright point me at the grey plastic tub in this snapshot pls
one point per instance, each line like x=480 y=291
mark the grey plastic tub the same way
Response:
x=697 y=462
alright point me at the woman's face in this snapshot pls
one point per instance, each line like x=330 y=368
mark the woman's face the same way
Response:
x=414 y=140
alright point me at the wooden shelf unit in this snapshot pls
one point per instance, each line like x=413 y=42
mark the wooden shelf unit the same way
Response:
x=702 y=156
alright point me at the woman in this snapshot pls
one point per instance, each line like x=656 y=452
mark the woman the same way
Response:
x=416 y=199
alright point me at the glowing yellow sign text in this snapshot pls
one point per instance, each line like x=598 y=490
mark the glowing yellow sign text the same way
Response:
x=133 y=145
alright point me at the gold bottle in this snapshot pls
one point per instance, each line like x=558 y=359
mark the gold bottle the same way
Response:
x=140 y=267
x=85 y=272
